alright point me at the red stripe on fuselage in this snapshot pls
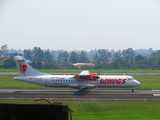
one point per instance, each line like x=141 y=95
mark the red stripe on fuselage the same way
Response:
x=56 y=83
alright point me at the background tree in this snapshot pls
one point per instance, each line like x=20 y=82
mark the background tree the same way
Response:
x=97 y=65
x=9 y=63
x=83 y=58
x=39 y=64
x=103 y=59
x=117 y=55
x=129 y=56
x=140 y=61
x=4 y=49
x=63 y=56
x=47 y=56
x=154 y=60
x=74 y=57
x=38 y=53
x=104 y=55
x=118 y=63
x=28 y=54
x=96 y=56
x=1 y=52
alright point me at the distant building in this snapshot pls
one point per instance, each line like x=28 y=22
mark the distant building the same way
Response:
x=64 y=65
x=79 y=65
x=9 y=54
x=91 y=60
x=4 y=57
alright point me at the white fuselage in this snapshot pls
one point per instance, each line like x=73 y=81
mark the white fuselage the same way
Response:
x=71 y=81
x=82 y=81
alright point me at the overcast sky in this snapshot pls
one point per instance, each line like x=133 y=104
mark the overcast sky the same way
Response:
x=80 y=24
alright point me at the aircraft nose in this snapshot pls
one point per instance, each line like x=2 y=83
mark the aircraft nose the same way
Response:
x=138 y=83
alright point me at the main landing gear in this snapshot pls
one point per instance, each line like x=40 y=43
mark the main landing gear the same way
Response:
x=133 y=89
x=81 y=89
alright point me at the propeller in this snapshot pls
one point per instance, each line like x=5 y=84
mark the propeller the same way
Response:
x=98 y=75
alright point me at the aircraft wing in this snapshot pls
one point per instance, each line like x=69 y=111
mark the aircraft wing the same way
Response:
x=86 y=75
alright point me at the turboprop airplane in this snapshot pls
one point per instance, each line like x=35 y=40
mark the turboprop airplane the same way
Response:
x=82 y=81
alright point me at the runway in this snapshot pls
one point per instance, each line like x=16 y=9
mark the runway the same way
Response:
x=74 y=94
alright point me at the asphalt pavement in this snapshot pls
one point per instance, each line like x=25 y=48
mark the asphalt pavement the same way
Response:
x=74 y=94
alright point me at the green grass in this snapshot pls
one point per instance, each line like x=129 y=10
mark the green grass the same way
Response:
x=147 y=82
x=107 y=110
x=8 y=70
x=9 y=82
x=94 y=71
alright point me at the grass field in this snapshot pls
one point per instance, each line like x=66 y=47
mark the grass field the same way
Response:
x=93 y=71
x=107 y=110
x=9 y=82
x=147 y=82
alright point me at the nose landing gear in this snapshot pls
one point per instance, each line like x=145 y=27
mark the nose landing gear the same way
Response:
x=132 y=89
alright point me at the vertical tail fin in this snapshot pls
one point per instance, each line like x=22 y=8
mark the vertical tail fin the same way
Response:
x=24 y=68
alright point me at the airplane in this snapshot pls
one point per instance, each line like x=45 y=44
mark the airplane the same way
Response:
x=82 y=81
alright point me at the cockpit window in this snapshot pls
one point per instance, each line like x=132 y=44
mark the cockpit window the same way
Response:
x=130 y=78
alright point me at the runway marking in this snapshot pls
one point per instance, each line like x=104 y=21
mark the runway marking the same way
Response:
x=156 y=90
x=156 y=94
x=115 y=93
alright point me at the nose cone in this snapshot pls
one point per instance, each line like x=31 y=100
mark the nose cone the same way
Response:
x=137 y=83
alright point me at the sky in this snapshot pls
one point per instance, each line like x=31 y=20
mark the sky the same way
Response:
x=80 y=24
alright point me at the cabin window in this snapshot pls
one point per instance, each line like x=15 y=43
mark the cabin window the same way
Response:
x=63 y=80
x=69 y=80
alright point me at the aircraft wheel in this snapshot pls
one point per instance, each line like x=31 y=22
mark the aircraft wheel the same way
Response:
x=81 y=89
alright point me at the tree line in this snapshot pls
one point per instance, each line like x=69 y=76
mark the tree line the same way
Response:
x=102 y=59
